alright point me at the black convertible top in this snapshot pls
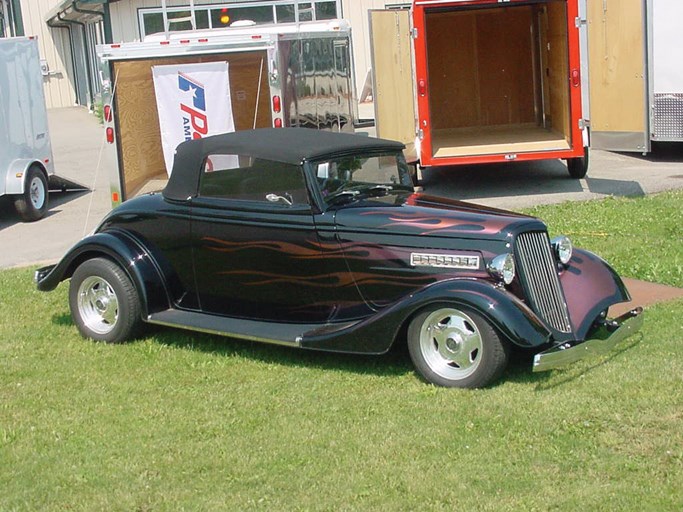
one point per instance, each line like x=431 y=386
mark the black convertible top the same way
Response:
x=286 y=145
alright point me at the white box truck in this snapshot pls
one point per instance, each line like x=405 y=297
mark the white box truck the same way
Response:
x=25 y=151
x=297 y=74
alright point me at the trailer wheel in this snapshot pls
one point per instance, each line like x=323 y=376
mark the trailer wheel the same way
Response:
x=32 y=204
x=578 y=167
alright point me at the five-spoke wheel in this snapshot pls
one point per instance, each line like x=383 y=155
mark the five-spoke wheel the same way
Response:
x=455 y=347
x=104 y=303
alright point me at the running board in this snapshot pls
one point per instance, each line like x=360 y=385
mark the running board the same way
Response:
x=278 y=333
x=59 y=184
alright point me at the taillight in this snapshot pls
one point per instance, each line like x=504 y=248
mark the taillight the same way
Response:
x=422 y=86
x=278 y=122
x=107 y=113
x=276 y=104
x=110 y=135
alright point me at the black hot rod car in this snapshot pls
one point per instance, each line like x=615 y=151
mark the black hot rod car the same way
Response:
x=318 y=240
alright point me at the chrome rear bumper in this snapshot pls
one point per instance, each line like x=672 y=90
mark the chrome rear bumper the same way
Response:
x=605 y=339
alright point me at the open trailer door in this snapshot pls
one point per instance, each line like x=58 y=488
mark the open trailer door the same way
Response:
x=392 y=73
x=618 y=75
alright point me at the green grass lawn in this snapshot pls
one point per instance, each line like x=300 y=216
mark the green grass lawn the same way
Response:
x=181 y=421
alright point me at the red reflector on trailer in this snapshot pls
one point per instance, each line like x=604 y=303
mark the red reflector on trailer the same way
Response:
x=422 y=87
x=278 y=122
x=204 y=40
x=276 y=104
x=110 y=135
x=107 y=113
x=184 y=41
x=164 y=42
x=46 y=161
x=115 y=197
x=576 y=78
x=116 y=46
x=256 y=37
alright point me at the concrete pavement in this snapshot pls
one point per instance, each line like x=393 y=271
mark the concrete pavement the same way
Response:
x=78 y=140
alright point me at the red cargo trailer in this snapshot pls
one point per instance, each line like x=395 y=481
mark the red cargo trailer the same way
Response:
x=481 y=81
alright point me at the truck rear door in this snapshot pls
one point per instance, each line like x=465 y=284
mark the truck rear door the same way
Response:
x=618 y=75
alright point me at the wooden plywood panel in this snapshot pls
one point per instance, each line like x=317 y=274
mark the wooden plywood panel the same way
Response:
x=138 y=123
x=392 y=75
x=616 y=60
x=555 y=44
x=481 y=67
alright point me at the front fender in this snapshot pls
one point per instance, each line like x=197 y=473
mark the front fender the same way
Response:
x=127 y=253
x=376 y=334
x=590 y=286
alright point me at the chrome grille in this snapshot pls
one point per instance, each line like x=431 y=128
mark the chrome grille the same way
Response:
x=538 y=272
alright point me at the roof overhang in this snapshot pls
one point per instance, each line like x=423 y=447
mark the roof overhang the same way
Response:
x=76 y=11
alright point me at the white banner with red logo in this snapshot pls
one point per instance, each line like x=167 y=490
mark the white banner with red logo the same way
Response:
x=193 y=101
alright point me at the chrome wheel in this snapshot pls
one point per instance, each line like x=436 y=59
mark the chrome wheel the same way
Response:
x=98 y=305
x=450 y=343
x=37 y=193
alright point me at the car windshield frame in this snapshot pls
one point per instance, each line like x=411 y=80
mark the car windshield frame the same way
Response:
x=334 y=185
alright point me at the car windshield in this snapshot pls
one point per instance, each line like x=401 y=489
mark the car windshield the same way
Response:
x=356 y=177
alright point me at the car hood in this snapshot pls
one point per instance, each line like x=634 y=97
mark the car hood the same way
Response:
x=424 y=215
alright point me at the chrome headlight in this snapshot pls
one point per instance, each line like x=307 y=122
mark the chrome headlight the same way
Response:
x=563 y=248
x=503 y=267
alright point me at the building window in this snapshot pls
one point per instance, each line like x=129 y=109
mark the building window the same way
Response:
x=223 y=15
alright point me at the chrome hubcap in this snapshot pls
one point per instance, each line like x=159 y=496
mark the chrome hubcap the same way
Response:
x=451 y=343
x=36 y=192
x=98 y=305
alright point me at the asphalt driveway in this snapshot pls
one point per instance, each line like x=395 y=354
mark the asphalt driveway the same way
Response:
x=78 y=144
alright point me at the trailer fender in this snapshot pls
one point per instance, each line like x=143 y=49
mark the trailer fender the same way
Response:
x=133 y=259
x=17 y=173
x=376 y=334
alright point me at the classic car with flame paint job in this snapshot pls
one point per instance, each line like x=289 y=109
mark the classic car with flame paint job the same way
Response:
x=319 y=240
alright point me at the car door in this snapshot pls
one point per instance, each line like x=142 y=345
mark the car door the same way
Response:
x=256 y=252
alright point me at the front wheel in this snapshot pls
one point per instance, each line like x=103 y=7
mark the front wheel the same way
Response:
x=32 y=204
x=456 y=347
x=104 y=303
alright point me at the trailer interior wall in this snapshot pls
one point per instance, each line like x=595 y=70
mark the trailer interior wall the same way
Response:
x=498 y=79
x=140 y=150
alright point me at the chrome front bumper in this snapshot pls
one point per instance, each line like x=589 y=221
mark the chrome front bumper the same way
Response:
x=605 y=339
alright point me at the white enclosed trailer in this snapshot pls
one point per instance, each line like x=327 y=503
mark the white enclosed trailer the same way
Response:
x=25 y=151
x=297 y=74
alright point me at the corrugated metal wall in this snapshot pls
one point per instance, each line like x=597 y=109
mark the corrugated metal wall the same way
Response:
x=55 y=48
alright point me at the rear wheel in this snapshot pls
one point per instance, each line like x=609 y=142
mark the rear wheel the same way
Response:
x=578 y=167
x=104 y=302
x=32 y=204
x=456 y=347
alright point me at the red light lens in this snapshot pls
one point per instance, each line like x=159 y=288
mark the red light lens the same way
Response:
x=278 y=123
x=115 y=197
x=422 y=87
x=576 y=78
x=110 y=135
x=107 y=113
x=276 y=104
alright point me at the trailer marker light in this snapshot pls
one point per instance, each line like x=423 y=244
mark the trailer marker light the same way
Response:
x=184 y=41
x=278 y=122
x=115 y=197
x=164 y=42
x=110 y=135
x=256 y=37
x=203 y=40
x=576 y=78
x=107 y=113
x=19 y=175
x=46 y=161
x=276 y=104
x=422 y=87
x=116 y=46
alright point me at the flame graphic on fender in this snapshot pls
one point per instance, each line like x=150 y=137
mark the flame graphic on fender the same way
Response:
x=442 y=224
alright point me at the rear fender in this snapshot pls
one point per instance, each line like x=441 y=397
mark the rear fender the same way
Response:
x=128 y=254
x=376 y=334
